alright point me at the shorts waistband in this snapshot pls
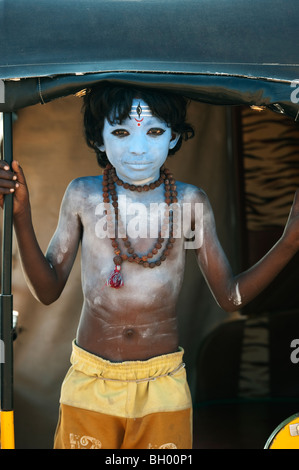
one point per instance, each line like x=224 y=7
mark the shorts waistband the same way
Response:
x=127 y=371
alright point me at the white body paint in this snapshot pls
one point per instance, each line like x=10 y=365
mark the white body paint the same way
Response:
x=235 y=296
x=138 y=320
x=238 y=298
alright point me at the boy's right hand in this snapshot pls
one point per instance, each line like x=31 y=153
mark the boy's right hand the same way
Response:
x=12 y=181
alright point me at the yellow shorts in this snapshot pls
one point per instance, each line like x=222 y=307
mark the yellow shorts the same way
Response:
x=127 y=405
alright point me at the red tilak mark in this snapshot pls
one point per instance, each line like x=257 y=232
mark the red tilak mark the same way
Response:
x=139 y=120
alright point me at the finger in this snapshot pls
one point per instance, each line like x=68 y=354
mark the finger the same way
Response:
x=6 y=189
x=5 y=171
x=5 y=192
x=4 y=165
x=8 y=179
x=18 y=172
x=7 y=184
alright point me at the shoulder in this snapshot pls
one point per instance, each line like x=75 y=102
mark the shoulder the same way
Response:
x=81 y=190
x=84 y=186
x=85 y=183
x=194 y=199
x=190 y=193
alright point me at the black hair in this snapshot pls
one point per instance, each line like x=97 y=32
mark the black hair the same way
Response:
x=114 y=102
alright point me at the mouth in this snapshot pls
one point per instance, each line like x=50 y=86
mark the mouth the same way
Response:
x=138 y=165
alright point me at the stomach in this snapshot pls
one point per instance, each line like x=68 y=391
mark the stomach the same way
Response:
x=128 y=334
x=136 y=321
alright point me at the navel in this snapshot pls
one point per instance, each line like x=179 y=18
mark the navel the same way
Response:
x=129 y=333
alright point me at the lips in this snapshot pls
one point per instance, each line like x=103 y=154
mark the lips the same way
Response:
x=138 y=164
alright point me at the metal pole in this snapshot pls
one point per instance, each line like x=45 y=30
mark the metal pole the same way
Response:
x=6 y=303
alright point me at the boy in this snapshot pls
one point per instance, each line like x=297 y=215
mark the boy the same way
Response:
x=127 y=385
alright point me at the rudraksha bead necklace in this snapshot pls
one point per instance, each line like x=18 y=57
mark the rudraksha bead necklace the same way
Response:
x=110 y=179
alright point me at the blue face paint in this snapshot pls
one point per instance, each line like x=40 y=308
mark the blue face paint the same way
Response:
x=139 y=146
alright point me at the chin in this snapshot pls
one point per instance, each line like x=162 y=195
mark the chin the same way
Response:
x=139 y=172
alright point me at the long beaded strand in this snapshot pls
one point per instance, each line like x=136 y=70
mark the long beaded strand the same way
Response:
x=110 y=179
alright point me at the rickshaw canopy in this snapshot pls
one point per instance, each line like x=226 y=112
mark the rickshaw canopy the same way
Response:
x=216 y=51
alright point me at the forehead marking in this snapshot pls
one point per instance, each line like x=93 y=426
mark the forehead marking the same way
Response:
x=139 y=110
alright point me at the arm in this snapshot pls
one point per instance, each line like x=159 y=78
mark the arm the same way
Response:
x=234 y=292
x=45 y=275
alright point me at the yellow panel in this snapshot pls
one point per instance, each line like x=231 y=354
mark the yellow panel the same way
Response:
x=7 y=430
x=283 y=439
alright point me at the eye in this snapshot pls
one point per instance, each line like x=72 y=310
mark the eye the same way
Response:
x=120 y=133
x=156 y=131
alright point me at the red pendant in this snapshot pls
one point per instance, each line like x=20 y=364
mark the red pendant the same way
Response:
x=115 y=280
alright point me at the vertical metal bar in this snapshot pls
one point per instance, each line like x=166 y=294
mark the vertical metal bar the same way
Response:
x=6 y=302
x=7 y=210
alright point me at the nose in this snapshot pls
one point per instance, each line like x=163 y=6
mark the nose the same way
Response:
x=138 y=145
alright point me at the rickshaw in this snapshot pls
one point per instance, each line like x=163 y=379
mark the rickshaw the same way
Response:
x=212 y=51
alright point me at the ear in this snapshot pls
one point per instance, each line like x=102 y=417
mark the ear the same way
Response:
x=101 y=147
x=174 y=140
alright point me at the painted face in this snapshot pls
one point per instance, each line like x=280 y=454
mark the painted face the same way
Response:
x=139 y=146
